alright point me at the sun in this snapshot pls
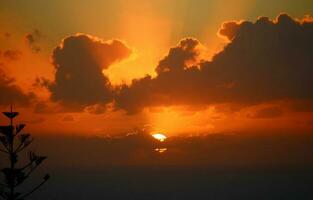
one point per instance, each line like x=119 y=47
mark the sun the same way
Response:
x=159 y=136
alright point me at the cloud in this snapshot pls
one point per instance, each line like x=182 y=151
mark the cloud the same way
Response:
x=7 y=35
x=229 y=29
x=11 y=93
x=267 y=112
x=68 y=118
x=96 y=109
x=79 y=61
x=264 y=61
x=187 y=51
x=32 y=39
x=171 y=80
x=11 y=54
x=302 y=105
x=35 y=120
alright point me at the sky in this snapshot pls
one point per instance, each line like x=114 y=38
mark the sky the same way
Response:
x=179 y=67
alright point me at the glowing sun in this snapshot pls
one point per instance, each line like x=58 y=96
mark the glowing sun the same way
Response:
x=159 y=137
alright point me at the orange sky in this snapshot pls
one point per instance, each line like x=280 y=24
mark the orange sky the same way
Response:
x=149 y=30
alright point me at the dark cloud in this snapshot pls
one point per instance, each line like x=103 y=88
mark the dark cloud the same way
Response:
x=303 y=105
x=11 y=55
x=41 y=107
x=266 y=60
x=79 y=61
x=229 y=29
x=179 y=56
x=174 y=80
x=42 y=82
x=35 y=120
x=97 y=109
x=11 y=93
x=32 y=40
x=68 y=118
x=267 y=112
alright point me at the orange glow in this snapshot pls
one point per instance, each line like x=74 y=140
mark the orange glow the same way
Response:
x=170 y=119
x=160 y=150
x=148 y=34
x=159 y=136
x=150 y=29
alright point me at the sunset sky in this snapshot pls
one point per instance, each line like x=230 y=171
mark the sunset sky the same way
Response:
x=178 y=67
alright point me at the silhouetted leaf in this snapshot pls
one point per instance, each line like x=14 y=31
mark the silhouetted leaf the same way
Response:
x=8 y=176
x=17 y=194
x=40 y=159
x=24 y=138
x=3 y=140
x=20 y=177
x=13 y=158
x=32 y=156
x=6 y=130
x=10 y=115
x=19 y=128
x=46 y=177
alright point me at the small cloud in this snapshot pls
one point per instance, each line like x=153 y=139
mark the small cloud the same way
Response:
x=267 y=113
x=32 y=39
x=96 y=109
x=35 y=120
x=7 y=35
x=42 y=82
x=12 y=93
x=12 y=55
x=68 y=118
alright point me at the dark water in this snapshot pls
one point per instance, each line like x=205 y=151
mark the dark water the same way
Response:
x=171 y=183
x=220 y=168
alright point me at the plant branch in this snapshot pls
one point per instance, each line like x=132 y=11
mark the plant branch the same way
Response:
x=33 y=190
x=2 y=196
x=3 y=185
x=23 y=147
x=4 y=151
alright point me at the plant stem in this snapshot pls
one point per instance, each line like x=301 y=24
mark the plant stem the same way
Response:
x=12 y=161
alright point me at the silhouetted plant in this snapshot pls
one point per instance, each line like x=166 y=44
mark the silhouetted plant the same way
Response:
x=13 y=143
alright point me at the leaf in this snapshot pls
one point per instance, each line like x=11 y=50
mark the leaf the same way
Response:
x=16 y=194
x=20 y=177
x=8 y=175
x=19 y=128
x=6 y=194
x=6 y=130
x=40 y=159
x=46 y=177
x=24 y=138
x=3 y=140
x=13 y=158
x=10 y=115
x=32 y=156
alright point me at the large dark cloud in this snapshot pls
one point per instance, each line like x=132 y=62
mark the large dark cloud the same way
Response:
x=266 y=60
x=79 y=61
x=11 y=93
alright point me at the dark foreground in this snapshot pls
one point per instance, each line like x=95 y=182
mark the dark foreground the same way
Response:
x=219 y=167
x=174 y=183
